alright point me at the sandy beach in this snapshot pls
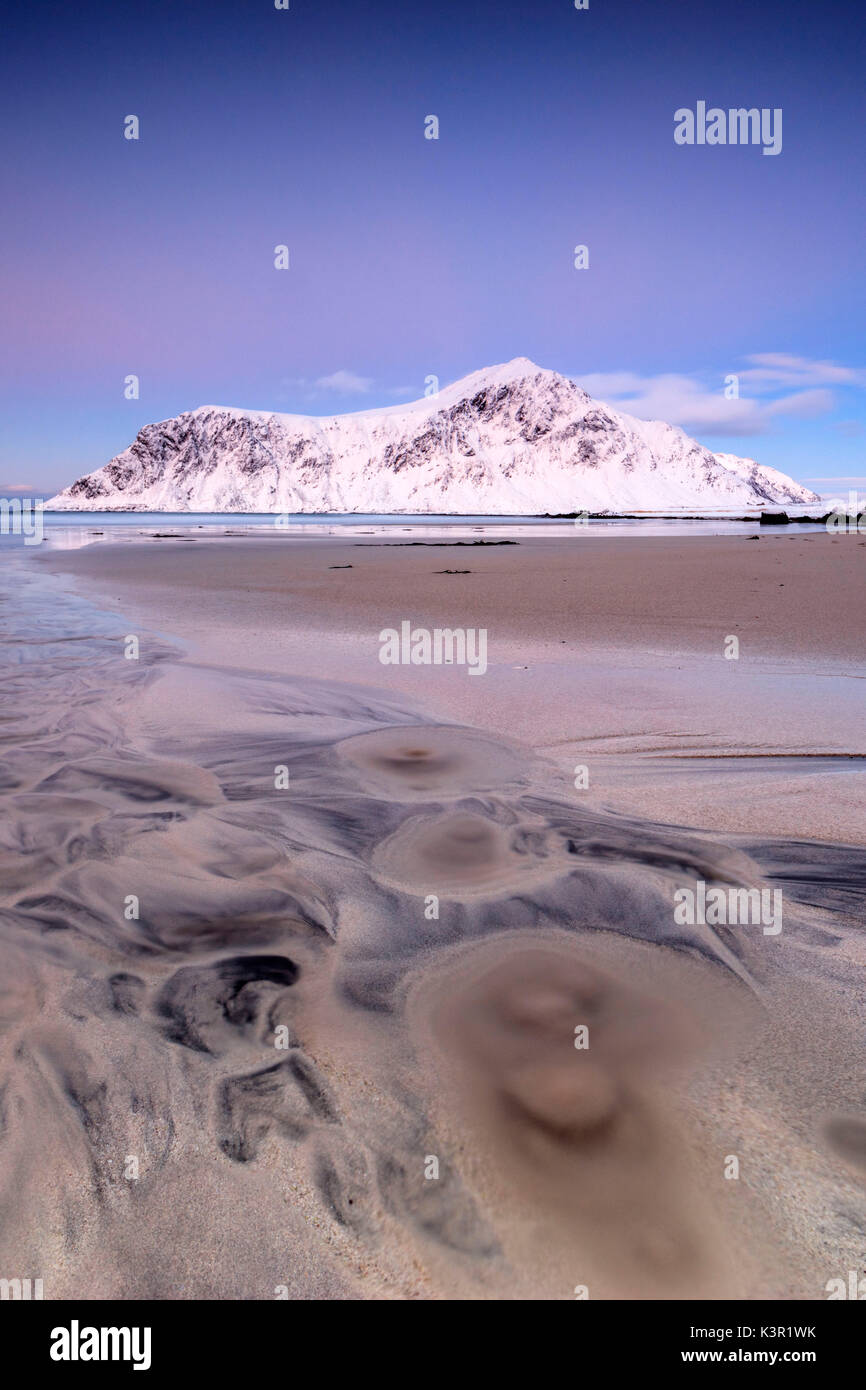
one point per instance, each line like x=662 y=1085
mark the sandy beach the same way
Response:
x=329 y=978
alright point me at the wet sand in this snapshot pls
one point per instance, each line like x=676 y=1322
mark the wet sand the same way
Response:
x=313 y=940
x=569 y=622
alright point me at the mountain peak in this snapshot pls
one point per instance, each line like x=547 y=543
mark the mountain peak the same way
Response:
x=518 y=369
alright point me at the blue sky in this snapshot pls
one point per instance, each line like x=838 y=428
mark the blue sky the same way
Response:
x=411 y=257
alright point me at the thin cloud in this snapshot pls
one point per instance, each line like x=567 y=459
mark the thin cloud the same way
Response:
x=342 y=383
x=805 y=405
x=802 y=389
x=856 y=481
x=349 y=383
x=678 y=400
x=773 y=371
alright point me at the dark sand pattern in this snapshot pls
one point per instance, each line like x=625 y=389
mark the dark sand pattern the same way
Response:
x=412 y=764
x=846 y=1135
x=214 y=913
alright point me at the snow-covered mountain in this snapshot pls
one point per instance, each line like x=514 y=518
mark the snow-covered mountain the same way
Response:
x=509 y=440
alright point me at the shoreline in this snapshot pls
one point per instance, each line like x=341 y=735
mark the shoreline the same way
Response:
x=642 y=618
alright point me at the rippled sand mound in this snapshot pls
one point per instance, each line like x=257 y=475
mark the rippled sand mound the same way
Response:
x=417 y=763
x=558 y=1059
